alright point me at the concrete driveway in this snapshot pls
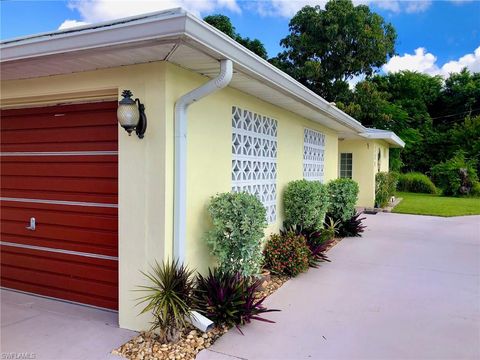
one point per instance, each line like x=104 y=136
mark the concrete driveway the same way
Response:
x=37 y=328
x=409 y=289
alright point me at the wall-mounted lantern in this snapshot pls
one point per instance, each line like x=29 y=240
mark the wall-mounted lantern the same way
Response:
x=131 y=114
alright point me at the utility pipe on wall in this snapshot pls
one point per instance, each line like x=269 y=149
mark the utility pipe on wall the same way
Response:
x=180 y=181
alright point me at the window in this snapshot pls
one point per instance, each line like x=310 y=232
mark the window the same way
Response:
x=346 y=165
x=254 y=162
x=313 y=154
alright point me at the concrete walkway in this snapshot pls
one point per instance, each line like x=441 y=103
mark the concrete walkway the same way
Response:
x=37 y=328
x=409 y=289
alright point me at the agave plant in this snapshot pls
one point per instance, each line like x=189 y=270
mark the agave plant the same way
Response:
x=169 y=298
x=228 y=298
x=352 y=227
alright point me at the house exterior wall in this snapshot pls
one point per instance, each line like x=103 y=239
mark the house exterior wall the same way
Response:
x=146 y=167
x=142 y=182
x=365 y=165
x=210 y=153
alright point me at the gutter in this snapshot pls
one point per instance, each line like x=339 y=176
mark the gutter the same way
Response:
x=180 y=180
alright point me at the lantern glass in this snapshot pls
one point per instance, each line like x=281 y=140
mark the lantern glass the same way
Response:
x=128 y=115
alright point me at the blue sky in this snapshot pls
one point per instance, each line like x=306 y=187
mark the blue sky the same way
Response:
x=430 y=33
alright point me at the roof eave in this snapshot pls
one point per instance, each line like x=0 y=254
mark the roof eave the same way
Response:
x=174 y=25
x=388 y=136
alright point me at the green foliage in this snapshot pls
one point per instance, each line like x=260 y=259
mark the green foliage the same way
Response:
x=224 y=24
x=169 y=298
x=416 y=182
x=328 y=46
x=385 y=186
x=448 y=175
x=287 y=254
x=352 y=227
x=475 y=189
x=239 y=220
x=305 y=204
x=343 y=195
x=228 y=298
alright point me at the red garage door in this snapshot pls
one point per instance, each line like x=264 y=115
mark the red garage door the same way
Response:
x=59 y=167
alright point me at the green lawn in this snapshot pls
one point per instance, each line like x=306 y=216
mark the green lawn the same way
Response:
x=425 y=204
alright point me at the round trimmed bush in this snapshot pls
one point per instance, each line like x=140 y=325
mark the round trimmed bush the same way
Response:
x=287 y=254
x=416 y=182
x=239 y=220
x=305 y=204
x=343 y=195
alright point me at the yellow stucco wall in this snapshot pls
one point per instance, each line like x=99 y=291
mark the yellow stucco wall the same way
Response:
x=365 y=165
x=146 y=166
x=142 y=182
x=210 y=152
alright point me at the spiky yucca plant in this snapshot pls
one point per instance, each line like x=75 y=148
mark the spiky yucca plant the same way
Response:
x=169 y=298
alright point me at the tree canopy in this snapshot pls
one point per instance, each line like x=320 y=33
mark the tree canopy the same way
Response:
x=224 y=24
x=326 y=48
x=434 y=117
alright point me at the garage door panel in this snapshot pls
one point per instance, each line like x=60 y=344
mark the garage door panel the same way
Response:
x=58 y=120
x=107 y=211
x=60 y=183
x=95 y=133
x=107 y=199
x=59 y=244
x=63 y=294
x=53 y=217
x=53 y=169
x=104 y=273
x=64 y=233
x=65 y=145
x=59 y=165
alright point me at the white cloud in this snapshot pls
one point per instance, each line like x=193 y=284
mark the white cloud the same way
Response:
x=425 y=62
x=67 y=24
x=288 y=8
x=101 y=10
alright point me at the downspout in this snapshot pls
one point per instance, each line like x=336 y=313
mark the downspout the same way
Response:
x=180 y=180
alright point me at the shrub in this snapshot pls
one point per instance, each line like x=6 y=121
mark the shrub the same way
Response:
x=385 y=186
x=416 y=182
x=228 y=298
x=317 y=242
x=343 y=195
x=305 y=204
x=287 y=254
x=352 y=227
x=169 y=298
x=239 y=220
x=475 y=189
x=456 y=176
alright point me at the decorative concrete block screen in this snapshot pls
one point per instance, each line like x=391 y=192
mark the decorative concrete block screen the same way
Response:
x=254 y=163
x=313 y=154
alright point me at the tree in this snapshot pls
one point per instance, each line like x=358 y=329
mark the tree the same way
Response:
x=327 y=47
x=224 y=24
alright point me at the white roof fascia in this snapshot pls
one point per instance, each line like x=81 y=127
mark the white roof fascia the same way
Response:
x=170 y=24
x=388 y=136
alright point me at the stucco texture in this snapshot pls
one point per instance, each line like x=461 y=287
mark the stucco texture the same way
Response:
x=365 y=165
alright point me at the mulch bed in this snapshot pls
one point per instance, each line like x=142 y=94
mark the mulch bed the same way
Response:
x=146 y=345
